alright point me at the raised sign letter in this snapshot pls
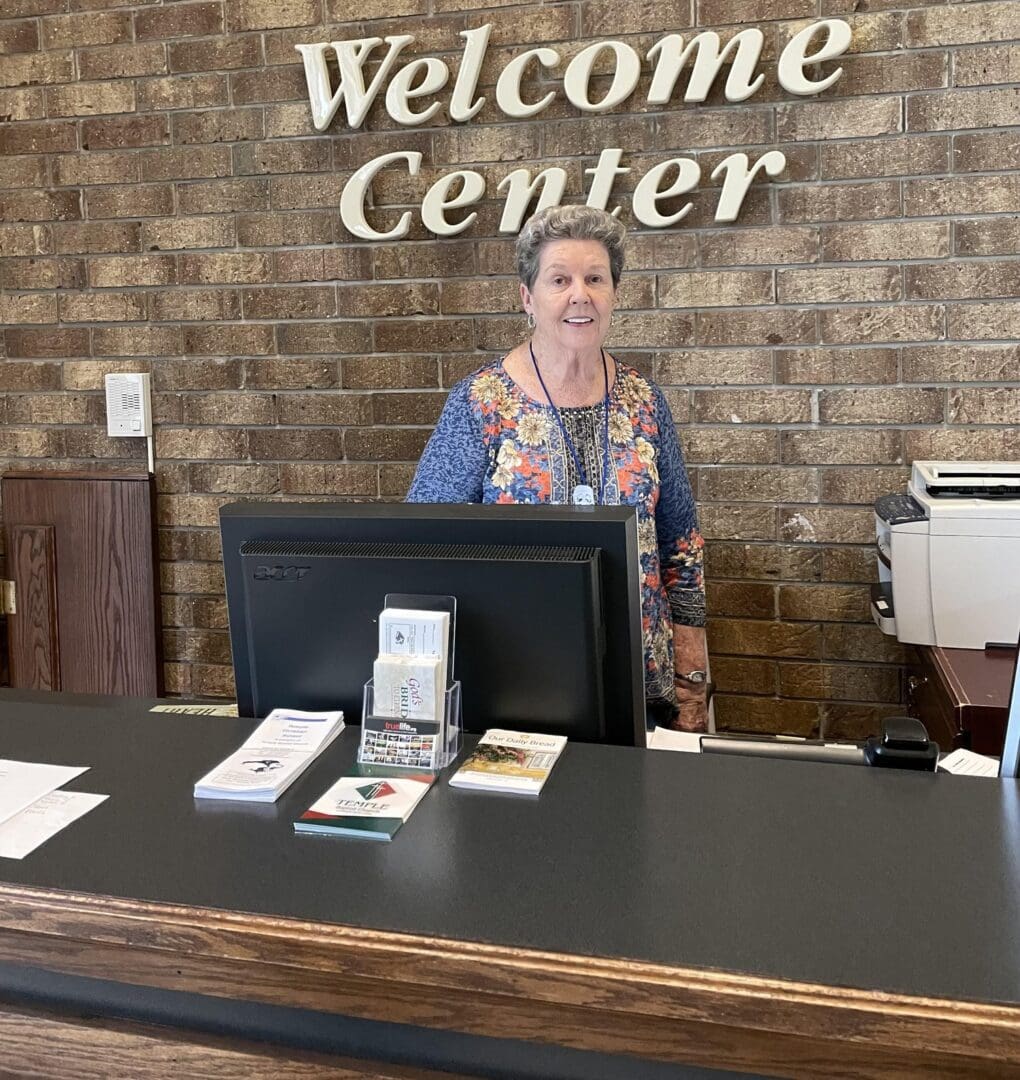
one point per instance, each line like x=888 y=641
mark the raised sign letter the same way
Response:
x=522 y=189
x=738 y=179
x=352 y=198
x=707 y=63
x=435 y=204
x=795 y=56
x=434 y=74
x=625 y=76
x=351 y=56
x=647 y=193
x=461 y=108
x=508 y=85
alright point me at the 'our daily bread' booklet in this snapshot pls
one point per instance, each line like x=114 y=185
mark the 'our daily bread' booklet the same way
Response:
x=275 y=754
x=371 y=803
x=513 y=761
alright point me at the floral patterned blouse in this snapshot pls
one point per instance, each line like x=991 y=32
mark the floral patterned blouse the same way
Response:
x=495 y=444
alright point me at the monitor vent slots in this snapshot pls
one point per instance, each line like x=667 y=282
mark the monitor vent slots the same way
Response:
x=373 y=550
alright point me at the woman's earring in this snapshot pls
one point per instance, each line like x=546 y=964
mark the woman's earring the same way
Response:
x=531 y=320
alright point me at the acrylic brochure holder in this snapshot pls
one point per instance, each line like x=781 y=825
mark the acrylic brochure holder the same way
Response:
x=412 y=743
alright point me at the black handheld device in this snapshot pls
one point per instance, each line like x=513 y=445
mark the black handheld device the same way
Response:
x=903 y=744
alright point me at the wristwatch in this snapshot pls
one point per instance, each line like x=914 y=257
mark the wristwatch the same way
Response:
x=696 y=677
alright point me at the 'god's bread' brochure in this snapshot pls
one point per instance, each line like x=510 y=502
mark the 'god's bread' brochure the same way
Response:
x=512 y=761
x=370 y=803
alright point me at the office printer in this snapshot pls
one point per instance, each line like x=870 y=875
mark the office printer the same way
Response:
x=949 y=556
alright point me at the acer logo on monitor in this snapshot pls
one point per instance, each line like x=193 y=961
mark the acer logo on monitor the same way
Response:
x=280 y=573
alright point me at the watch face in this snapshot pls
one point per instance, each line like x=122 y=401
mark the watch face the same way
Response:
x=694 y=677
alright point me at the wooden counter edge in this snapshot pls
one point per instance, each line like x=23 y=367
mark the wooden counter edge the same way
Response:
x=235 y=946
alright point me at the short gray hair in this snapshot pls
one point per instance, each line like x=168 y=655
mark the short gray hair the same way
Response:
x=569 y=223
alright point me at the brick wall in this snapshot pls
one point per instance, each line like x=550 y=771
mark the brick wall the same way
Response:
x=167 y=206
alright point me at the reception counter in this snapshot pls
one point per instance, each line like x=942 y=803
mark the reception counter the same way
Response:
x=650 y=915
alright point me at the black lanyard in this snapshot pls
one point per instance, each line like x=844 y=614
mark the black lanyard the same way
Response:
x=568 y=441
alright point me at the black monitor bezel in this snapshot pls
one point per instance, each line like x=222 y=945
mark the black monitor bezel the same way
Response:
x=511 y=524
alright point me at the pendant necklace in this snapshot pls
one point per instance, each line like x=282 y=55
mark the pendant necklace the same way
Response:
x=583 y=493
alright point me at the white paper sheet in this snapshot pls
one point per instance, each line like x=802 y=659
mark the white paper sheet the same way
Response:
x=688 y=742
x=23 y=782
x=22 y=834
x=967 y=763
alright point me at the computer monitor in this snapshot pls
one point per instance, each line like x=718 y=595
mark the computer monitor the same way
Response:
x=548 y=625
x=1009 y=763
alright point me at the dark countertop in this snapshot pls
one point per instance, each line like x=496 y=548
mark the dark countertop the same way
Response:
x=837 y=875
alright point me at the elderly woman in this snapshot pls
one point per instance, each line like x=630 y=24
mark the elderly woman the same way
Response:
x=559 y=420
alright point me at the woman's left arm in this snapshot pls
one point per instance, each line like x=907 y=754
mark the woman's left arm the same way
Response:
x=681 y=560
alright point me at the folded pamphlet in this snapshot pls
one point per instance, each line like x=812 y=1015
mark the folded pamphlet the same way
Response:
x=511 y=761
x=275 y=754
x=370 y=803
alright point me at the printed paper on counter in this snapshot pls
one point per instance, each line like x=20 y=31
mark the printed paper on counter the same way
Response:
x=21 y=834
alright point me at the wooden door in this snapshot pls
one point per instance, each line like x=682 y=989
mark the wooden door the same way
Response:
x=80 y=550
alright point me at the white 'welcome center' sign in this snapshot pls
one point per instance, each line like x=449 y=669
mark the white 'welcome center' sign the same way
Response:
x=425 y=77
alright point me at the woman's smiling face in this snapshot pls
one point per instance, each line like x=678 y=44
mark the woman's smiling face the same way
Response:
x=573 y=296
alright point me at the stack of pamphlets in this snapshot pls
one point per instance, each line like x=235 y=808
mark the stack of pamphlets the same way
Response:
x=404 y=721
x=370 y=803
x=513 y=761
x=276 y=753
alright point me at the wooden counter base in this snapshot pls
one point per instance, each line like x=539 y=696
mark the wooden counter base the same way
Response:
x=649 y=1011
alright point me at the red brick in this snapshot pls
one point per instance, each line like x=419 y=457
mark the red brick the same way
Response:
x=130 y=200
x=289 y=302
x=985 y=150
x=774 y=327
x=194 y=305
x=332 y=479
x=42 y=138
x=118 y=131
x=25 y=240
x=20 y=69
x=296 y=444
x=291 y=373
x=222 y=196
x=331 y=409
x=880 y=446
x=916 y=322
x=212 y=373
x=122 y=61
x=150 y=341
x=324 y=337
x=711 y=367
x=837 y=366
x=268 y=14
x=218 y=125
x=950 y=363
x=93 y=237
x=183 y=92
x=826 y=524
x=888 y=405
x=179 y=20
x=217 y=54
x=738 y=522
x=39 y=206
x=20 y=36
x=48 y=342
x=26 y=104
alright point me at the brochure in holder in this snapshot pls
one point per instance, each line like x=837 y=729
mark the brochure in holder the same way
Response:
x=411 y=713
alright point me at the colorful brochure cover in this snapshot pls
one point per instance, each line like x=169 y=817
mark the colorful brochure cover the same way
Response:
x=370 y=803
x=512 y=761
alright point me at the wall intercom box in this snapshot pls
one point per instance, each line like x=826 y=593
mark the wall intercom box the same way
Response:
x=128 y=406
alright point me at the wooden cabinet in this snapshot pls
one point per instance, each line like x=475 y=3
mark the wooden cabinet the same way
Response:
x=80 y=551
x=962 y=695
